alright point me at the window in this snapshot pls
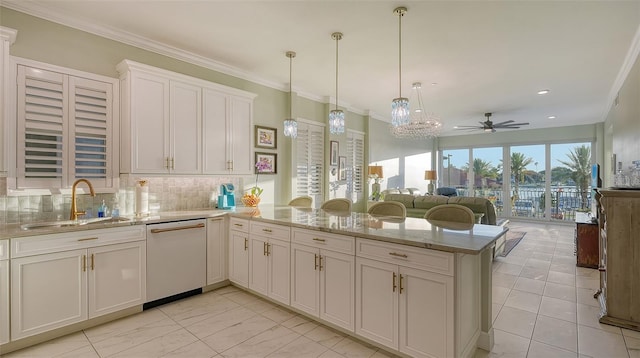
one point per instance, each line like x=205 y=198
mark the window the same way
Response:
x=309 y=160
x=355 y=165
x=64 y=129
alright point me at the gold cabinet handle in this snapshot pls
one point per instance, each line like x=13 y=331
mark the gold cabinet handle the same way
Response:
x=88 y=238
x=398 y=255
x=166 y=162
x=315 y=262
x=196 y=226
x=401 y=288
x=246 y=244
x=172 y=163
x=394 y=283
x=320 y=259
x=92 y=262
x=268 y=249
x=84 y=263
x=319 y=239
x=238 y=225
x=264 y=248
x=267 y=230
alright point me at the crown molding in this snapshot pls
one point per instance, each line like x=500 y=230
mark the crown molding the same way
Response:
x=50 y=14
x=629 y=60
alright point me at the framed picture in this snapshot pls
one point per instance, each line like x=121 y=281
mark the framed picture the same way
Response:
x=342 y=168
x=333 y=152
x=266 y=137
x=266 y=163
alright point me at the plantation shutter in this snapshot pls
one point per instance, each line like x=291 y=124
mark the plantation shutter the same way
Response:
x=355 y=165
x=64 y=129
x=42 y=124
x=90 y=115
x=310 y=161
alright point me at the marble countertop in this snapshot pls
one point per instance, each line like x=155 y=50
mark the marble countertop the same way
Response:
x=416 y=232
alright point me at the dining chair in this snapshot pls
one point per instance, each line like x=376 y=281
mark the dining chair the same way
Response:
x=388 y=208
x=339 y=204
x=301 y=202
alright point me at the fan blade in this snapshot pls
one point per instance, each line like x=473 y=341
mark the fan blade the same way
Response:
x=502 y=123
x=511 y=125
x=468 y=127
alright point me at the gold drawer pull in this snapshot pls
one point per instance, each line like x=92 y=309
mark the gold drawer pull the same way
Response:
x=88 y=238
x=238 y=225
x=267 y=230
x=398 y=255
x=197 y=226
x=319 y=239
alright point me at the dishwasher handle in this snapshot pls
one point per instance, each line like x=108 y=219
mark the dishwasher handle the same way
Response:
x=176 y=228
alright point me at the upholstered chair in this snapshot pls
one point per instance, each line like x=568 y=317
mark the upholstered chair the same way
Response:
x=451 y=216
x=301 y=202
x=388 y=208
x=339 y=204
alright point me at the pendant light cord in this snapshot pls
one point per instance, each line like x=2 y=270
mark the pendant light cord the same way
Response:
x=337 y=39
x=290 y=96
x=400 y=14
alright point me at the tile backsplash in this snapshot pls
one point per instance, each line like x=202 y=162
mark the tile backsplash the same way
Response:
x=165 y=194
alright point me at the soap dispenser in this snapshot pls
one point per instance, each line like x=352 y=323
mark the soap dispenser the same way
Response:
x=102 y=210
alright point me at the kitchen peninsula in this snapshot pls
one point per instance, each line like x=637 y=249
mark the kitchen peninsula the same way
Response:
x=409 y=286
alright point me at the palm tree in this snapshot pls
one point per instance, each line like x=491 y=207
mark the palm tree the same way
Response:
x=580 y=165
x=518 y=166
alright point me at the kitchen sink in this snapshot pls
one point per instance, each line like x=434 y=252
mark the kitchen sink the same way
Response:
x=68 y=223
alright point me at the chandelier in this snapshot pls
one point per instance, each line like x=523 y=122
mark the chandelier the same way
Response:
x=421 y=124
x=336 y=116
x=400 y=113
x=290 y=123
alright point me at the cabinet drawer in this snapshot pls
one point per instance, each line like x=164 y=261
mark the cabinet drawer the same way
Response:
x=270 y=230
x=424 y=259
x=323 y=240
x=43 y=244
x=239 y=224
x=4 y=249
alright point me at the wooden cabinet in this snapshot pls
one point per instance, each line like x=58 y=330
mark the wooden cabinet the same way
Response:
x=216 y=250
x=587 y=243
x=323 y=276
x=60 y=279
x=239 y=251
x=405 y=299
x=178 y=124
x=620 y=258
x=269 y=261
x=4 y=291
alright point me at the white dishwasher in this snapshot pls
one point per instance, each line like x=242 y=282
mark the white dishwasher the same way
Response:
x=176 y=259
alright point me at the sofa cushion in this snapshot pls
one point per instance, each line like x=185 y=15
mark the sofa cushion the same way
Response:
x=477 y=205
x=429 y=201
x=405 y=199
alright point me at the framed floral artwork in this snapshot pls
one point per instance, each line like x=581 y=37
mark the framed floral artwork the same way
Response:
x=266 y=137
x=266 y=163
x=333 y=152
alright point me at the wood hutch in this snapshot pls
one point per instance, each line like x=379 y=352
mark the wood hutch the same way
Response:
x=620 y=258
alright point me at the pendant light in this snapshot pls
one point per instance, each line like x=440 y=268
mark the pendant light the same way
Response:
x=400 y=113
x=290 y=124
x=336 y=116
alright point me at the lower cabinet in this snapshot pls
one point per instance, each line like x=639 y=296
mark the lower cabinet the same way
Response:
x=66 y=278
x=404 y=308
x=239 y=257
x=323 y=280
x=216 y=251
x=4 y=291
x=54 y=290
x=269 y=267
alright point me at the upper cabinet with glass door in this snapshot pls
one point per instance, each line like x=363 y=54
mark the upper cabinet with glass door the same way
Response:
x=176 y=124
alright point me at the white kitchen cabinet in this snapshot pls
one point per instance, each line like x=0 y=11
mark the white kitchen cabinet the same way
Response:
x=404 y=300
x=323 y=277
x=172 y=123
x=7 y=38
x=239 y=251
x=86 y=274
x=216 y=251
x=269 y=261
x=4 y=291
x=227 y=128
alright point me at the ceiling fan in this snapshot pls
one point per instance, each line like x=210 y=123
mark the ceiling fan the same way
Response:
x=489 y=126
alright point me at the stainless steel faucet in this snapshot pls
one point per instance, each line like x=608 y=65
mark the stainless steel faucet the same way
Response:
x=74 y=212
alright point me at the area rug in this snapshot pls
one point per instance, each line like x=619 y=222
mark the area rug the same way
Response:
x=513 y=238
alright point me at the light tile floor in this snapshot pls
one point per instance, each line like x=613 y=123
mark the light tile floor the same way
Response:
x=543 y=306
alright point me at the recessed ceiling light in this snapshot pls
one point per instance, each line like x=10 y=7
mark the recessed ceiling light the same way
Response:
x=544 y=91
x=552 y=117
x=455 y=127
x=434 y=83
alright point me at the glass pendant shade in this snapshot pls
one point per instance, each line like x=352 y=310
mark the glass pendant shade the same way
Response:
x=290 y=128
x=400 y=112
x=290 y=124
x=336 y=121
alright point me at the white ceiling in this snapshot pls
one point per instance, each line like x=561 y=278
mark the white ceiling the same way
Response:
x=485 y=56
